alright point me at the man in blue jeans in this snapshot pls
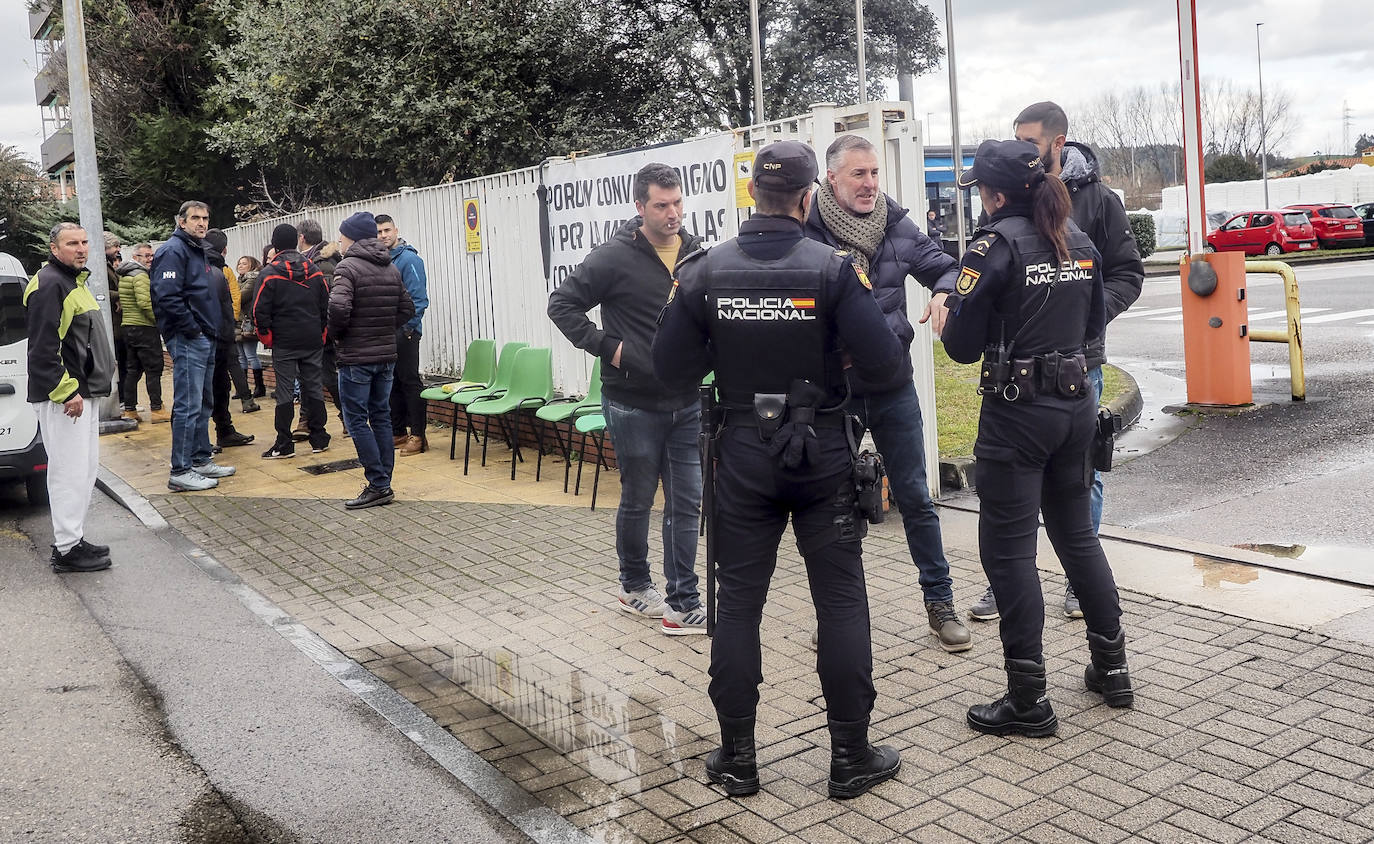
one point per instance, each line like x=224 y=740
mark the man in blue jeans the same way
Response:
x=653 y=425
x=188 y=317
x=367 y=304
x=850 y=212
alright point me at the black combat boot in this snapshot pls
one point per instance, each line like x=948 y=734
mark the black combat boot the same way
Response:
x=1107 y=674
x=734 y=764
x=1023 y=710
x=855 y=765
x=259 y=389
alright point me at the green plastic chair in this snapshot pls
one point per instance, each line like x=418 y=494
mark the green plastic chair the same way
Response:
x=594 y=425
x=559 y=411
x=479 y=370
x=499 y=383
x=531 y=387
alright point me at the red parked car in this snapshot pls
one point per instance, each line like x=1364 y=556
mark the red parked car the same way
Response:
x=1264 y=233
x=1336 y=223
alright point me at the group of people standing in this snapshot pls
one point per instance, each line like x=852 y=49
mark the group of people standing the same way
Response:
x=798 y=380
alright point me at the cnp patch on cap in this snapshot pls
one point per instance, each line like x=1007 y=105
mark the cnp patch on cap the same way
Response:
x=785 y=165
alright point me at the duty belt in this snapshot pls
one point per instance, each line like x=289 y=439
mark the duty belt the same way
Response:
x=1022 y=379
x=738 y=417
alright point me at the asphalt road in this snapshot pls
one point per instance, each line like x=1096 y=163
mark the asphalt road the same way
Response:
x=1287 y=473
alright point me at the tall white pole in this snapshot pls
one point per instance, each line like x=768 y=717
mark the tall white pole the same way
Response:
x=1190 y=86
x=957 y=152
x=1264 y=140
x=863 y=70
x=758 y=60
x=87 y=174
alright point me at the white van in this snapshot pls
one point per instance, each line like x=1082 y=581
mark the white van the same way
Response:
x=21 y=450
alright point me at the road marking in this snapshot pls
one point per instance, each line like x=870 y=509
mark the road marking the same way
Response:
x=1284 y=313
x=1144 y=312
x=1340 y=316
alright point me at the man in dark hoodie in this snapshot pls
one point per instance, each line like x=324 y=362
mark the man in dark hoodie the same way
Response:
x=291 y=313
x=226 y=367
x=653 y=425
x=186 y=303
x=851 y=212
x=325 y=255
x=1099 y=213
x=368 y=302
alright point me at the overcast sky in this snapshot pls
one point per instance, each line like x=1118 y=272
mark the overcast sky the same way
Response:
x=1009 y=55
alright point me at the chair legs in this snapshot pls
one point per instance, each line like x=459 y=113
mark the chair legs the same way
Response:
x=600 y=461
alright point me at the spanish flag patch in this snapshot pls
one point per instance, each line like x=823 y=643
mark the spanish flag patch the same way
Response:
x=803 y=303
x=968 y=277
x=1085 y=264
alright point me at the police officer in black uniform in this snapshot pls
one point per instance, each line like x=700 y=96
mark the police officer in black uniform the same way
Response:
x=1028 y=298
x=768 y=312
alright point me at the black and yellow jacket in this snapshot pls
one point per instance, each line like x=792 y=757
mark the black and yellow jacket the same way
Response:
x=69 y=352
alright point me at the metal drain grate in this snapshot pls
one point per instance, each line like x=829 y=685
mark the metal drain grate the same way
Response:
x=336 y=466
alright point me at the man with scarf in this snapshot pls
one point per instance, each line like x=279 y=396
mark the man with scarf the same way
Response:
x=850 y=212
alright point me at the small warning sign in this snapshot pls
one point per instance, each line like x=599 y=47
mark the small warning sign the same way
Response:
x=472 y=225
x=744 y=171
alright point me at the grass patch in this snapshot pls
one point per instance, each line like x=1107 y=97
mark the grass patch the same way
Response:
x=957 y=400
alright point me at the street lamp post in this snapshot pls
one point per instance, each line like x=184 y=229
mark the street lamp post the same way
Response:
x=958 y=153
x=1264 y=141
x=758 y=61
x=863 y=71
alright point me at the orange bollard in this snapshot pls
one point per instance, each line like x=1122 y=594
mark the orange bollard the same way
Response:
x=1216 y=342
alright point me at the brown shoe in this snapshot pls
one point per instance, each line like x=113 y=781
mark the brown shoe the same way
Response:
x=414 y=445
x=130 y=414
x=159 y=415
x=400 y=439
x=302 y=430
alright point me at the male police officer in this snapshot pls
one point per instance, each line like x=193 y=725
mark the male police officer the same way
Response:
x=768 y=312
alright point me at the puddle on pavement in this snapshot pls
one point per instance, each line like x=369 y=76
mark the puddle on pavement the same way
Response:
x=1338 y=561
x=1220 y=574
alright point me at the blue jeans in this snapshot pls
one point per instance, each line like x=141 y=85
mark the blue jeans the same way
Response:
x=1096 y=498
x=248 y=354
x=193 y=400
x=365 y=392
x=894 y=418
x=650 y=445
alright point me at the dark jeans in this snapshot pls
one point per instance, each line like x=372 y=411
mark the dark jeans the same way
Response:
x=192 y=400
x=1032 y=459
x=121 y=351
x=754 y=497
x=366 y=393
x=144 y=346
x=289 y=366
x=895 y=419
x=227 y=369
x=329 y=363
x=407 y=408
x=649 y=445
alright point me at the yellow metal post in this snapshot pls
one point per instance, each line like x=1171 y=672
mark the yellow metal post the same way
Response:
x=1292 y=333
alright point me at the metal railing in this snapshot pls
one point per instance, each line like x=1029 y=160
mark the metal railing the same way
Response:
x=1292 y=331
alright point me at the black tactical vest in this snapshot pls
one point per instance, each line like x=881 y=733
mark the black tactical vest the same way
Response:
x=770 y=320
x=1060 y=322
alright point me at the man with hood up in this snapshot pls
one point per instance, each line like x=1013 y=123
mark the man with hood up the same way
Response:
x=1099 y=213
x=653 y=424
x=368 y=302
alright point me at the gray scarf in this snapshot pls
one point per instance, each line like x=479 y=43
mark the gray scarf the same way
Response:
x=859 y=233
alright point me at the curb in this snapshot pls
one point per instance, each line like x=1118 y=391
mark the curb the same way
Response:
x=957 y=473
x=501 y=794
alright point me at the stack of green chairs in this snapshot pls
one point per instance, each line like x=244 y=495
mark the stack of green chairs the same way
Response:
x=531 y=387
x=499 y=384
x=559 y=411
x=479 y=370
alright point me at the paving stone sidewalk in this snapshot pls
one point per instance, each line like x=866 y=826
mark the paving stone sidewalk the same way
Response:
x=499 y=621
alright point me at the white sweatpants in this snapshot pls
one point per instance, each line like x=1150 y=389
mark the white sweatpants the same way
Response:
x=73 y=447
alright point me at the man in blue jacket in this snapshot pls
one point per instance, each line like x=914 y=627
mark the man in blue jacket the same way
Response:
x=851 y=212
x=407 y=408
x=187 y=308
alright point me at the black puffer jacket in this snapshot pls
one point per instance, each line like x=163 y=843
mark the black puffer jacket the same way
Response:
x=1099 y=213
x=291 y=308
x=367 y=303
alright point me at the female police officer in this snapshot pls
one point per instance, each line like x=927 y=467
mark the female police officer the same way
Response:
x=1028 y=296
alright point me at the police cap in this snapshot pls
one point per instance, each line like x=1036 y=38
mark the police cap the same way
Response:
x=1005 y=165
x=785 y=166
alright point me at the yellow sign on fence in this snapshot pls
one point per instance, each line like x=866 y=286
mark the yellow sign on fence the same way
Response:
x=472 y=225
x=744 y=171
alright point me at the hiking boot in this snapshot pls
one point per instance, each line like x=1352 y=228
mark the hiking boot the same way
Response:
x=232 y=439
x=279 y=452
x=157 y=415
x=302 y=431
x=414 y=445
x=259 y=389
x=371 y=497
x=211 y=469
x=93 y=549
x=647 y=602
x=250 y=406
x=684 y=623
x=855 y=765
x=1107 y=674
x=190 y=481
x=1024 y=710
x=734 y=764
x=1071 y=606
x=945 y=624
x=985 y=608
x=399 y=440
x=78 y=559
x=131 y=415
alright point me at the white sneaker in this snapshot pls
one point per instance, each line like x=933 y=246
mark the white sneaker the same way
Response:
x=190 y=481
x=647 y=602
x=688 y=623
x=211 y=469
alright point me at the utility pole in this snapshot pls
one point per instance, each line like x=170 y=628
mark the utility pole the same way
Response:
x=863 y=71
x=758 y=60
x=957 y=157
x=1264 y=140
